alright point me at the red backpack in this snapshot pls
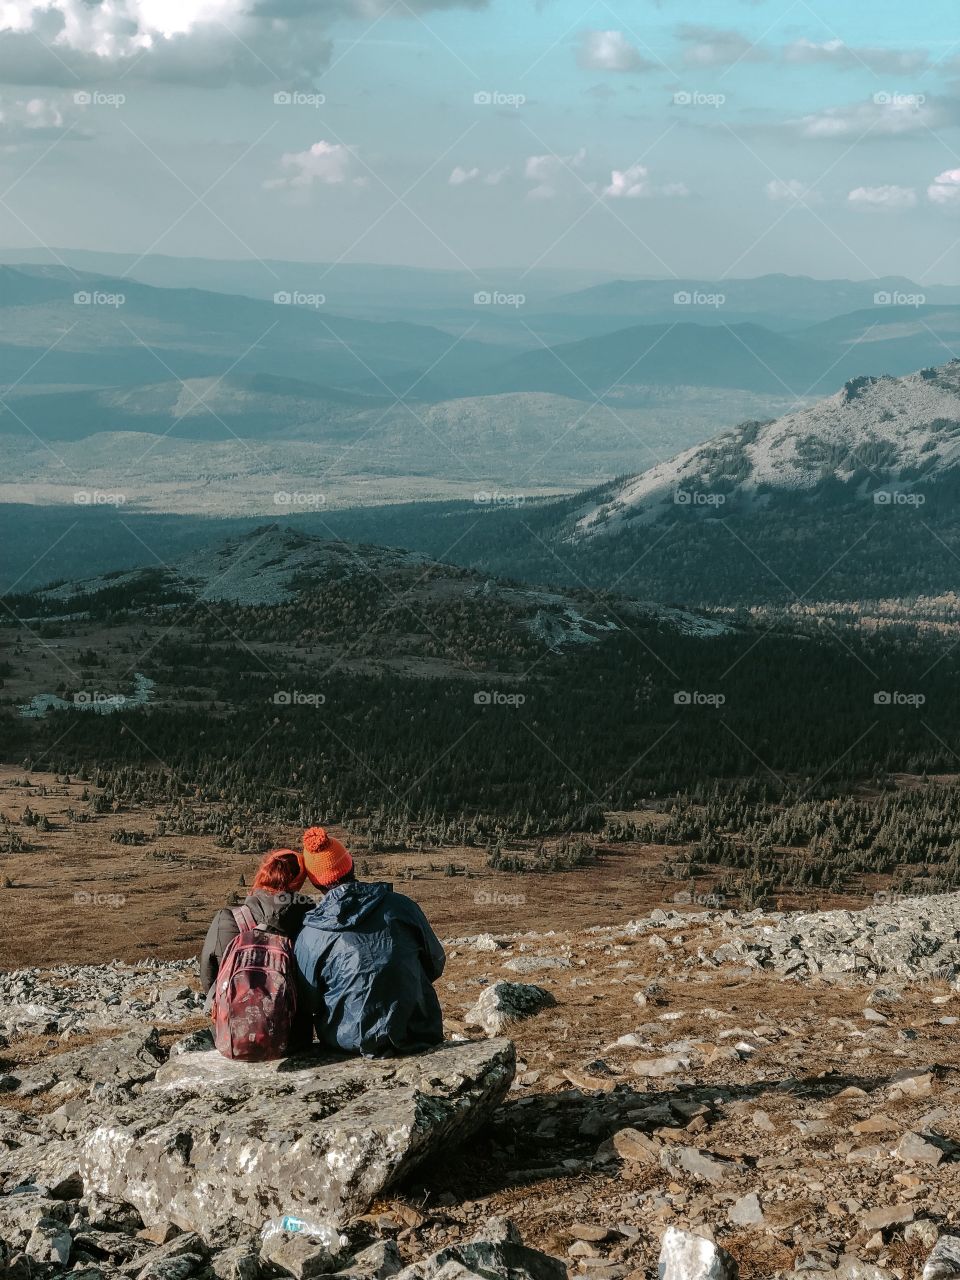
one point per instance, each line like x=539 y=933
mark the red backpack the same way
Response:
x=256 y=993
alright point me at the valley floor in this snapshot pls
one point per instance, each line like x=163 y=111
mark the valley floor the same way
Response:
x=108 y=887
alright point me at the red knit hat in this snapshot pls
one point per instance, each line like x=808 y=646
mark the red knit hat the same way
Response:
x=325 y=858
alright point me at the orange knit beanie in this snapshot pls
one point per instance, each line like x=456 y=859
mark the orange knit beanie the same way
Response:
x=325 y=858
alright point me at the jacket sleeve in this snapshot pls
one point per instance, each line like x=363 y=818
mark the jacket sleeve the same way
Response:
x=434 y=956
x=223 y=929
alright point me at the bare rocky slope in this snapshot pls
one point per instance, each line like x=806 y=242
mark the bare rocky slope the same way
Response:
x=875 y=434
x=763 y=1092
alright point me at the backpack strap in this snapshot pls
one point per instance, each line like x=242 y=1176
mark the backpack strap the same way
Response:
x=245 y=919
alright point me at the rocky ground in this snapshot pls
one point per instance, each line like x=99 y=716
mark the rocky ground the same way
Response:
x=781 y=1085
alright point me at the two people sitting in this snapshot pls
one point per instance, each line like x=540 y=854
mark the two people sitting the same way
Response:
x=356 y=967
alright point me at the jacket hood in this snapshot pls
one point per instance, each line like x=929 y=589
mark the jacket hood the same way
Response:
x=347 y=905
x=279 y=910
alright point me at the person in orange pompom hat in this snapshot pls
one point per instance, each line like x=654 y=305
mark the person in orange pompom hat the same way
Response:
x=367 y=959
x=326 y=861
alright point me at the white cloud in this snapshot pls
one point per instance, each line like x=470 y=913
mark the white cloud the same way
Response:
x=628 y=183
x=891 y=198
x=325 y=162
x=633 y=183
x=460 y=175
x=885 y=115
x=119 y=27
x=610 y=51
x=717 y=46
x=549 y=171
x=32 y=119
x=945 y=188
x=496 y=176
x=791 y=189
x=839 y=54
x=206 y=43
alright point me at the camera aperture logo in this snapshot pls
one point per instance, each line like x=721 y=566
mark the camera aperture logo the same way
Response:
x=83 y=898
x=497 y=698
x=894 y=298
x=97 y=298
x=694 y=698
x=297 y=698
x=896 y=698
x=297 y=298
x=496 y=98
x=296 y=498
x=697 y=498
x=895 y=498
x=712 y=901
x=695 y=98
x=493 y=898
x=93 y=700
x=698 y=298
x=890 y=98
x=96 y=98
x=494 y=498
x=98 y=498
x=495 y=298
x=295 y=98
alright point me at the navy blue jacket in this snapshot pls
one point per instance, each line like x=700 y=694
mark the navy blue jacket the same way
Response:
x=368 y=960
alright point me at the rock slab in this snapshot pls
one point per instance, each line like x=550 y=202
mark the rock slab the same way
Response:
x=210 y=1141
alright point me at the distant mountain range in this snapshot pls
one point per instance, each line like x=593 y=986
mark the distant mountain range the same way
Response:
x=777 y=301
x=58 y=328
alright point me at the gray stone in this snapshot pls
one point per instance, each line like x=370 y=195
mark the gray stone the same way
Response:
x=179 y=1268
x=319 y=1137
x=154 y=1261
x=505 y=1003
x=924 y=1231
x=914 y=1148
x=536 y=964
x=488 y=1259
x=686 y=1256
x=944 y=1260
x=298 y=1254
x=377 y=1262
x=747 y=1211
x=702 y=1165
x=851 y=1268
x=196 y=1042
x=239 y=1262
x=49 y=1241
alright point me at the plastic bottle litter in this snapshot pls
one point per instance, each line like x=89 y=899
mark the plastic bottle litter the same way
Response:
x=324 y=1232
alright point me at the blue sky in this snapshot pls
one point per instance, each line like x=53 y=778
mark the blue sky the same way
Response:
x=710 y=138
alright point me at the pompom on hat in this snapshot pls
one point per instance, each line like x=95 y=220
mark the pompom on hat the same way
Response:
x=326 y=860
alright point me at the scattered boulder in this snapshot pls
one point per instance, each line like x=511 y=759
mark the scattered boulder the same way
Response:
x=686 y=1256
x=505 y=1003
x=536 y=964
x=944 y=1260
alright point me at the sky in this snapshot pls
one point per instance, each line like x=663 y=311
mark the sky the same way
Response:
x=709 y=138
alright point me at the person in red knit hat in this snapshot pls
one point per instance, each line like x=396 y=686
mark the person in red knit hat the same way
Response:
x=367 y=959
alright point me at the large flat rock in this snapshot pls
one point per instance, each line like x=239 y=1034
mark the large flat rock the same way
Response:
x=210 y=1141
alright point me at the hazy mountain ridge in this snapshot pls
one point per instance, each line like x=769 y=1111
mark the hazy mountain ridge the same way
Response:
x=274 y=564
